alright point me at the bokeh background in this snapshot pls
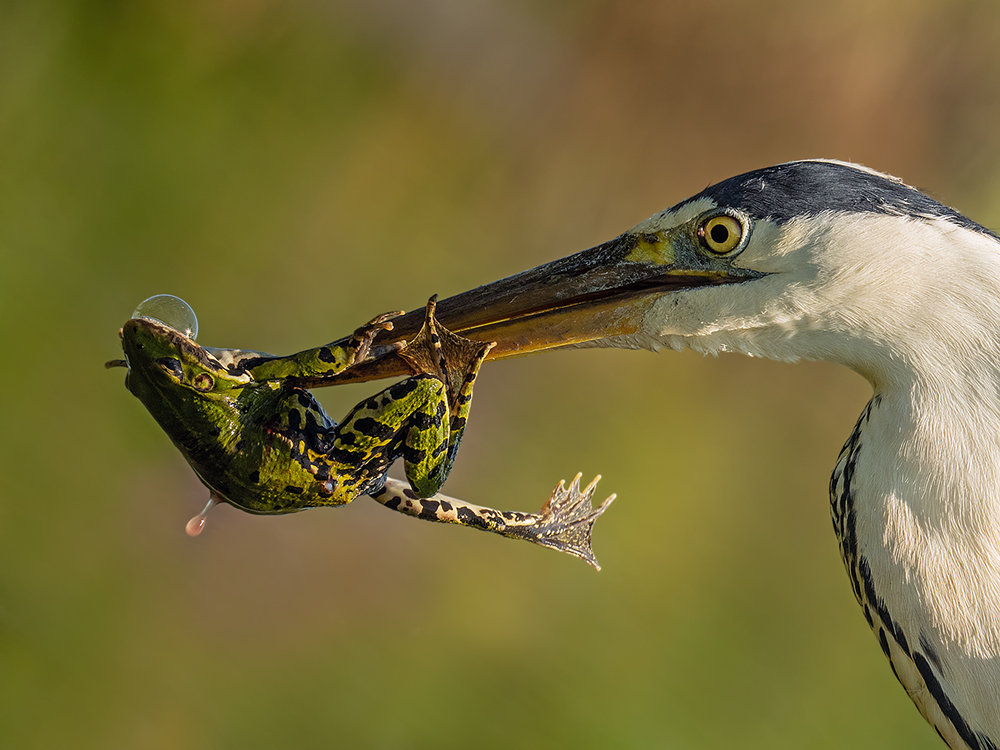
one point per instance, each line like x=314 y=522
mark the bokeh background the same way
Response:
x=293 y=168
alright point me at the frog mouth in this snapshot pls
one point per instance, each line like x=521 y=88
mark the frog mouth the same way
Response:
x=118 y=362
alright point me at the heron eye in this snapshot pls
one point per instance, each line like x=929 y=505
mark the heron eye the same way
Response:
x=721 y=234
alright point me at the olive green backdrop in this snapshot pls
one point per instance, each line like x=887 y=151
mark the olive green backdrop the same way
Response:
x=293 y=168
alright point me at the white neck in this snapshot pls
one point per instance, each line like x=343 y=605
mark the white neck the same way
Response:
x=928 y=509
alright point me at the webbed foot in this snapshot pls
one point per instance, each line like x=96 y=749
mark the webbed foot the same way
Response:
x=564 y=523
x=567 y=520
x=452 y=359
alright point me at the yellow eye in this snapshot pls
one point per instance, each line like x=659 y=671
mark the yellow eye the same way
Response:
x=721 y=234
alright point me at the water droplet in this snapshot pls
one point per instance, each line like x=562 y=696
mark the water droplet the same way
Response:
x=197 y=524
x=171 y=311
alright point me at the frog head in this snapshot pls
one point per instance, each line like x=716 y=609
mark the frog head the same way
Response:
x=164 y=362
x=183 y=385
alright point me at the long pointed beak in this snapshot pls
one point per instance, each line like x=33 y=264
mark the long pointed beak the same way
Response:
x=596 y=294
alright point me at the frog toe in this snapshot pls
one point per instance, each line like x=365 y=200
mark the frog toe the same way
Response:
x=364 y=336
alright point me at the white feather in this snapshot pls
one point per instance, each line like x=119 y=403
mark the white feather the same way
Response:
x=913 y=305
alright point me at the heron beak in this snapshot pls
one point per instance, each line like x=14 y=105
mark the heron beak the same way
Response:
x=599 y=293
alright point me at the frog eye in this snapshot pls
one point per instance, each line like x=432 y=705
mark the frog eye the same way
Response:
x=721 y=234
x=203 y=382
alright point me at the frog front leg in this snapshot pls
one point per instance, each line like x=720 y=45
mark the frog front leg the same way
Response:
x=564 y=523
x=315 y=366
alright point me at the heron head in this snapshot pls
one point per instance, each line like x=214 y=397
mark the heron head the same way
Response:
x=804 y=260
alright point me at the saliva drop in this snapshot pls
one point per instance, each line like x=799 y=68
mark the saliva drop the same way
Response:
x=197 y=524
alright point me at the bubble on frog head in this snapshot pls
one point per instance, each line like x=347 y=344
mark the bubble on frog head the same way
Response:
x=171 y=311
x=197 y=524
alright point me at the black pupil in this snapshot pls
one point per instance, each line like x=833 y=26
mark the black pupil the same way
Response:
x=719 y=234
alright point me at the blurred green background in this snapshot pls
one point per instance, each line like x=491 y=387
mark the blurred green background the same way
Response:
x=293 y=168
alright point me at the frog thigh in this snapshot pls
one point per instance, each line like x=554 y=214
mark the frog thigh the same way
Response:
x=407 y=419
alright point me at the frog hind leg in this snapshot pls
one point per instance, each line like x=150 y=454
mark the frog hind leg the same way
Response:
x=409 y=420
x=454 y=361
x=564 y=523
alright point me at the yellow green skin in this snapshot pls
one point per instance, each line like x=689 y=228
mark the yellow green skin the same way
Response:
x=260 y=441
x=265 y=445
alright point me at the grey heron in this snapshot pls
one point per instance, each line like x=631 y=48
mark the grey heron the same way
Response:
x=824 y=260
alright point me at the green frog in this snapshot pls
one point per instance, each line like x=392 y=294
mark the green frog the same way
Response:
x=258 y=440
